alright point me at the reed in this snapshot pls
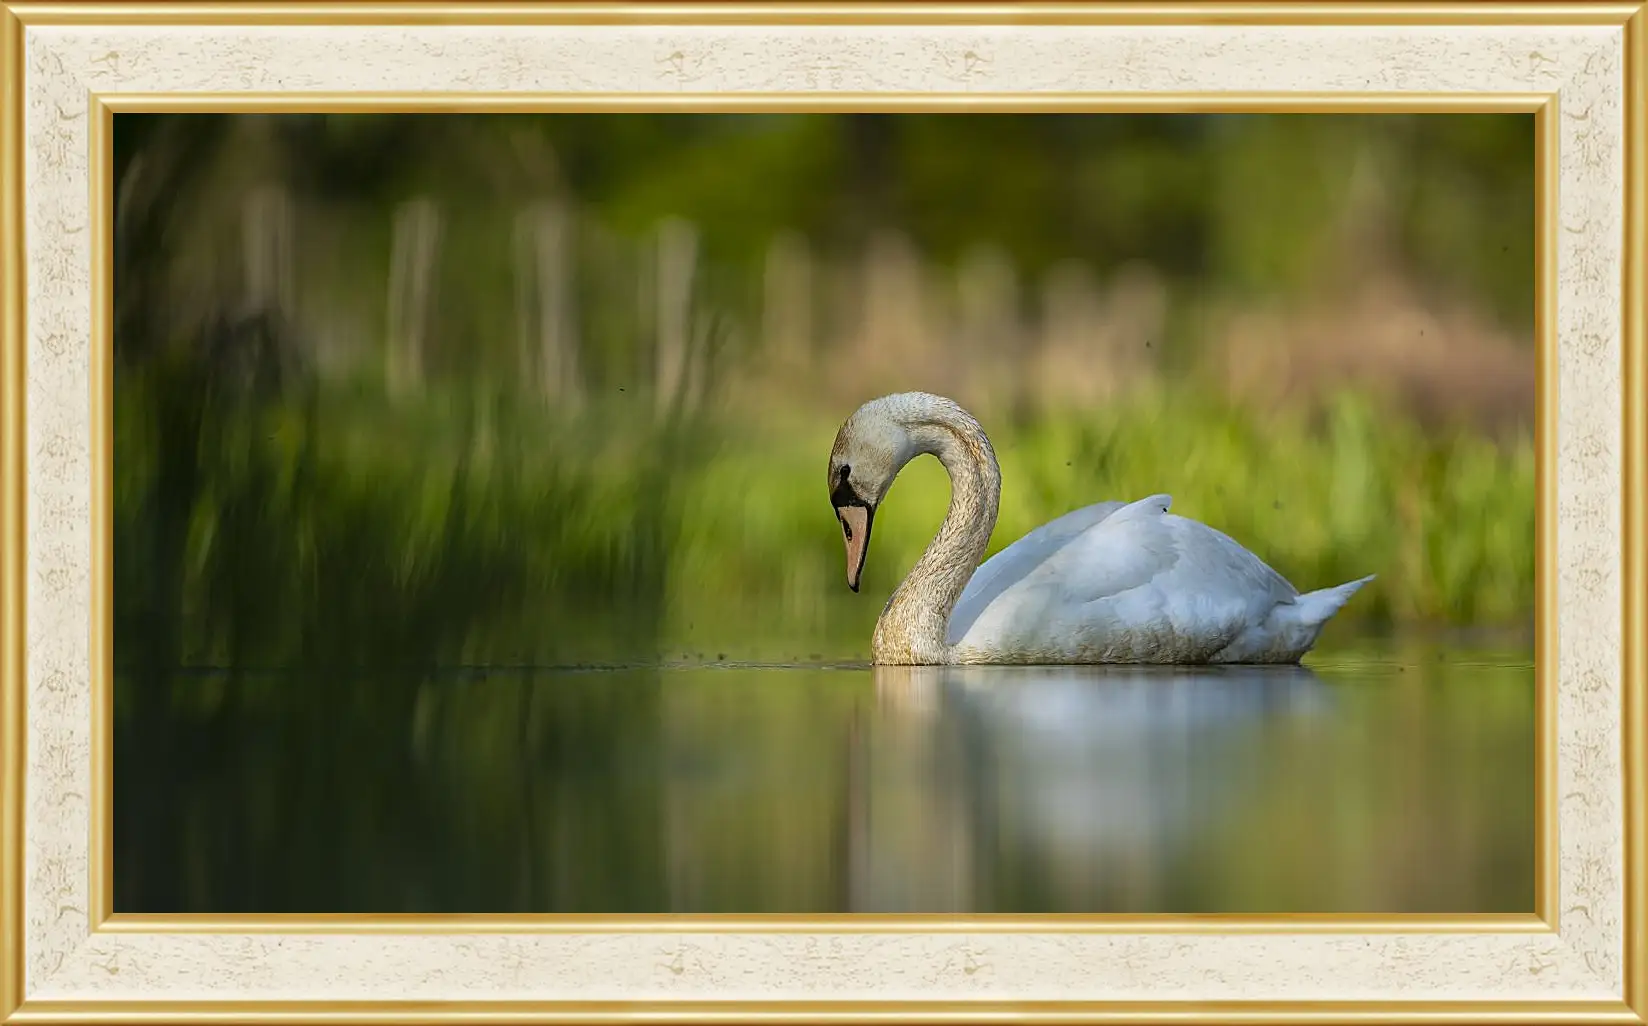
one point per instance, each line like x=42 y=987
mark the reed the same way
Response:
x=472 y=528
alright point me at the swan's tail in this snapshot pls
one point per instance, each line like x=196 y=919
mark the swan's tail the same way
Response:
x=1291 y=628
x=1315 y=608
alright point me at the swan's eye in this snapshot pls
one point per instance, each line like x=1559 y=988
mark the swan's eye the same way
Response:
x=846 y=469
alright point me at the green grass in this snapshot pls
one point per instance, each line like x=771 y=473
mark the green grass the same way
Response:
x=462 y=528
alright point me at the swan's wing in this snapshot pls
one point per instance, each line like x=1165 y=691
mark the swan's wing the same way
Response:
x=1116 y=548
x=1217 y=558
x=1136 y=568
x=1183 y=560
x=1131 y=547
x=1011 y=564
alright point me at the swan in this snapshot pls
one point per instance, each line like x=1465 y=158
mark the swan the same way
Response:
x=1114 y=582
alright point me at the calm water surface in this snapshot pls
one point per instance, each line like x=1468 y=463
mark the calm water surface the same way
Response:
x=1384 y=781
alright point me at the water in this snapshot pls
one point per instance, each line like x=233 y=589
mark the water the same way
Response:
x=1387 y=779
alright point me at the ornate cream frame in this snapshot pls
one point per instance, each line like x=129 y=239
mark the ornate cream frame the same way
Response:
x=1580 y=68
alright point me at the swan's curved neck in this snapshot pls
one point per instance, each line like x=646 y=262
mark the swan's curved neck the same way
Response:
x=914 y=623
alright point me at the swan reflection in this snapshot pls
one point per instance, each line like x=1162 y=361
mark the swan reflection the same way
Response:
x=1095 y=701
x=1001 y=789
x=1096 y=773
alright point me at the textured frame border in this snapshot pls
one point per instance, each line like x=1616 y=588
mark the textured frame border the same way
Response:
x=66 y=68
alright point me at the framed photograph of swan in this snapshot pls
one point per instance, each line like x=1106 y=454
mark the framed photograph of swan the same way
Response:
x=421 y=600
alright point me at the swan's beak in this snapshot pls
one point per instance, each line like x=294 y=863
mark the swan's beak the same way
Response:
x=855 y=530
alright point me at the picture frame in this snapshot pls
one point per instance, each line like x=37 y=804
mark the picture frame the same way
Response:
x=1580 y=69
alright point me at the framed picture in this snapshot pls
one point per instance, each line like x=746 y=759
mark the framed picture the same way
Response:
x=421 y=602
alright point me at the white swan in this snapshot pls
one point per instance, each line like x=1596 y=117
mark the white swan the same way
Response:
x=1109 y=583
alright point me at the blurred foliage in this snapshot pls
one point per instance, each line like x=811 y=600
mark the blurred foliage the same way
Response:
x=313 y=521
x=1234 y=203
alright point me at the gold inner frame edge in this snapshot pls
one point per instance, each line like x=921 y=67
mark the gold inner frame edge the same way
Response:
x=1541 y=920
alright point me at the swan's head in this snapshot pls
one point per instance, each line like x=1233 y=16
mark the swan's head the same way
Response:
x=869 y=451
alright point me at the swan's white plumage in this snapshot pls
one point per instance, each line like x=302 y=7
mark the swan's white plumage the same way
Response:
x=1113 y=582
x=1132 y=582
x=1009 y=566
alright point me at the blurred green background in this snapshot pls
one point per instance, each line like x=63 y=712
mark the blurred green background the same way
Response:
x=396 y=394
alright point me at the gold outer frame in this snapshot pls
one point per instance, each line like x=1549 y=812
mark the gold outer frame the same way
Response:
x=13 y=583
x=13 y=586
x=1634 y=723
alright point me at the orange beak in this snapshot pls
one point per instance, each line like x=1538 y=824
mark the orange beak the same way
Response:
x=855 y=530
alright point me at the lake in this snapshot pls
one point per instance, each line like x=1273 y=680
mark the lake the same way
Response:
x=1381 y=778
